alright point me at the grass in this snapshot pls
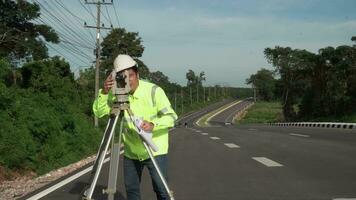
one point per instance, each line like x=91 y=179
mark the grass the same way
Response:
x=263 y=112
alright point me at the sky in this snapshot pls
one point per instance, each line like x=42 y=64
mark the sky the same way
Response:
x=223 y=38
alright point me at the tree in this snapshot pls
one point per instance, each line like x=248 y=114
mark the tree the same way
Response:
x=291 y=65
x=119 y=41
x=194 y=80
x=191 y=78
x=19 y=36
x=264 y=82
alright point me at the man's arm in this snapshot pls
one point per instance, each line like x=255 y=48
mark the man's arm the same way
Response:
x=103 y=100
x=166 y=116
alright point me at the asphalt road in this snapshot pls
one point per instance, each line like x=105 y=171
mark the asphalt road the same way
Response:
x=249 y=162
x=226 y=117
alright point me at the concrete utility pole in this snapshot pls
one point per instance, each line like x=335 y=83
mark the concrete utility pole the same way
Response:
x=215 y=91
x=254 y=92
x=181 y=96
x=175 y=101
x=97 y=50
x=204 y=93
x=191 y=97
x=209 y=94
x=197 y=93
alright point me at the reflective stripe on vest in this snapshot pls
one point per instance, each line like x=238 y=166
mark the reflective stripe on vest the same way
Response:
x=153 y=94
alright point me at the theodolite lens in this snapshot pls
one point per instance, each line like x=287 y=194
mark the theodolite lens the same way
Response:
x=120 y=80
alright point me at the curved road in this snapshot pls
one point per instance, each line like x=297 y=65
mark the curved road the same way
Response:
x=249 y=162
x=226 y=117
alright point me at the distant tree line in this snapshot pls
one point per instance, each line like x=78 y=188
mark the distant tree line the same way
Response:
x=309 y=85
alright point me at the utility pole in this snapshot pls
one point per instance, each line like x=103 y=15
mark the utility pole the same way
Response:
x=209 y=94
x=181 y=96
x=191 y=98
x=97 y=50
x=254 y=92
x=175 y=101
x=197 y=93
x=215 y=91
x=204 y=93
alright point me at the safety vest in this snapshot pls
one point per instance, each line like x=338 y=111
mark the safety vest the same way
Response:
x=149 y=102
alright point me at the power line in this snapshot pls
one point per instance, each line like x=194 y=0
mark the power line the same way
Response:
x=78 y=45
x=90 y=12
x=76 y=49
x=62 y=54
x=117 y=16
x=77 y=18
x=107 y=12
x=61 y=20
x=65 y=27
x=74 y=54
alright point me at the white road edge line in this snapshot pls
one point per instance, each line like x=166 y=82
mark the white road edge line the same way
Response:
x=344 y=199
x=222 y=110
x=299 y=135
x=204 y=133
x=231 y=145
x=65 y=181
x=215 y=138
x=267 y=162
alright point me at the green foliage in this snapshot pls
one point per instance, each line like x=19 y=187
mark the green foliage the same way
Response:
x=120 y=41
x=5 y=72
x=43 y=123
x=19 y=36
x=321 y=85
x=263 y=112
x=194 y=80
x=264 y=83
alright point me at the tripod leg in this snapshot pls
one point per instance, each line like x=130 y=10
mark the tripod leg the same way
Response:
x=114 y=165
x=150 y=153
x=101 y=156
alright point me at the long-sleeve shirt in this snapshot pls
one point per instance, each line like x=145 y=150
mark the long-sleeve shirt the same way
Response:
x=149 y=102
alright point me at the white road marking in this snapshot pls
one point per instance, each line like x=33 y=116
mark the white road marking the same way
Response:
x=65 y=181
x=205 y=133
x=215 y=138
x=252 y=129
x=345 y=199
x=267 y=162
x=231 y=145
x=222 y=110
x=197 y=131
x=299 y=135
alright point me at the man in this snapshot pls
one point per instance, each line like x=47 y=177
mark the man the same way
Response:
x=149 y=102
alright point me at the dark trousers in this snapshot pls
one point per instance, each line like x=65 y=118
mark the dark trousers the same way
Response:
x=132 y=177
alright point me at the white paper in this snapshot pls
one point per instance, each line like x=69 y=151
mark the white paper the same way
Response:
x=147 y=136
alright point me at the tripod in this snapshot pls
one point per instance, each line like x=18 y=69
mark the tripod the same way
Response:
x=117 y=113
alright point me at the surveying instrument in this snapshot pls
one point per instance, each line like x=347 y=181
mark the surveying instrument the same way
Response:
x=121 y=90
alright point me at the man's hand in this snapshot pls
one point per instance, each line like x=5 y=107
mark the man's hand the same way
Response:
x=147 y=126
x=108 y=84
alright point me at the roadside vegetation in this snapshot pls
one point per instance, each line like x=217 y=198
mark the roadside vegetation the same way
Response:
x=310 y=86
x=263 y=112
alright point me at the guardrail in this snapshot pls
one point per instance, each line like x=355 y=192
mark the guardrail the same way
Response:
x=317 y=124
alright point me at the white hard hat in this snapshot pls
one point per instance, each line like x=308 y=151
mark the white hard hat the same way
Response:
x=123 y=61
